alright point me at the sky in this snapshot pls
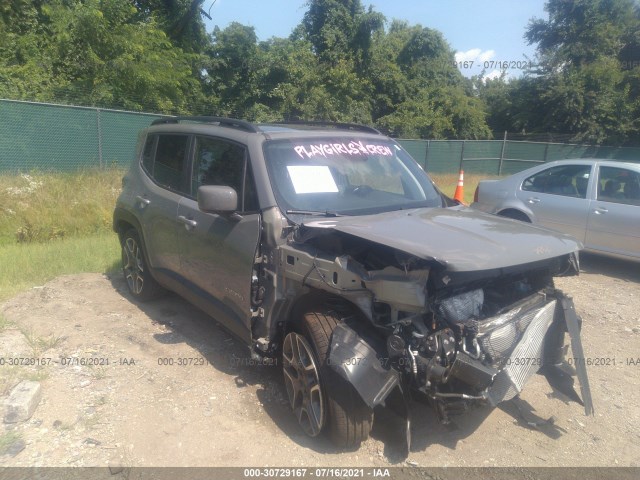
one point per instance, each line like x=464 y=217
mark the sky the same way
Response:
x=488 y=33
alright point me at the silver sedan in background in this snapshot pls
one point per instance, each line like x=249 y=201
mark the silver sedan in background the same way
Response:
x=596 y=201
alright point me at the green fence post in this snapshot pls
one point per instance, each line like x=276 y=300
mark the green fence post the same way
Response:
x=546 y=150
x=99 y=137
x=426 y=156
x=462 y=155
x=504 y=144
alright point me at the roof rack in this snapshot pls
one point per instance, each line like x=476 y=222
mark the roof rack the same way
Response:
x=222 y=121
x=337 y=125
x=250 y=127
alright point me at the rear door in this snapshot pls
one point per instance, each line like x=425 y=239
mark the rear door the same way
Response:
x=614 y=216
x=558 y=197
x=218 y=251
x=165 y=163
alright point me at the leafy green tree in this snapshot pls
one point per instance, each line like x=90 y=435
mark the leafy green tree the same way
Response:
x=579 y=32
x=231 y=67
x=418 y=91
x=286 y=74
x=591 y=102
x=587 y=75
x=181 y=20
x=341 y=30
x=586 y=82
x=24 y=72
x=438 y=113
x=340 y=64
x=97 y=53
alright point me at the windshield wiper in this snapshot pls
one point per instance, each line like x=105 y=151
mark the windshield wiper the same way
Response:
x=325 y=213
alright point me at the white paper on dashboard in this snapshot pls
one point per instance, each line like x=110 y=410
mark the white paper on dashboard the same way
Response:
x=312 y=179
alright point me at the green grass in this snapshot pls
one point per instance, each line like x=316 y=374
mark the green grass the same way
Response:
x=38 y=344
x=56 y=223
x=23 y=266
x=38 y=207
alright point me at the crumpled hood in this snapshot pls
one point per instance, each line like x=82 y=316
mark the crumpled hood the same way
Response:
x=460 y=238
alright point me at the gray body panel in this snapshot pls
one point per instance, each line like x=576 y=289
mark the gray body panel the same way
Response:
x=159 y=223
x=459 y=238
x=217 y=255
x=614 y=228
x=565 y=214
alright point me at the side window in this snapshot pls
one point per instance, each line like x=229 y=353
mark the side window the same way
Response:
x=566 y=180
x=218 y=162
x=169 y=165
x=619 y=185
x=147 y=154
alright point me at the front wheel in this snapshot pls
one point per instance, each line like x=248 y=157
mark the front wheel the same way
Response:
x=319 y=397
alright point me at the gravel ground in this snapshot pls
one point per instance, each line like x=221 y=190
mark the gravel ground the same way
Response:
x=161 y=384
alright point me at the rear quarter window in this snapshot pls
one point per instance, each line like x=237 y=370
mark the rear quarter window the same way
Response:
x=619 y=185
x=164 y=158
x=147 y=154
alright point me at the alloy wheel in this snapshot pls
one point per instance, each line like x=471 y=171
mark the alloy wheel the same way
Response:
x=133 y=265
x=302 y=381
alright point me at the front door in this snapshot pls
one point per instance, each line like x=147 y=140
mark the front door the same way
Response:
x=557 y=196
x=218 y=251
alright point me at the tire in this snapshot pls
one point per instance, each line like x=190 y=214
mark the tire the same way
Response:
x=345 y=416
x=140 y=283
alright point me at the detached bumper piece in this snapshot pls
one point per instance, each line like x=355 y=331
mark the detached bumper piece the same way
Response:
x=556 y=373
x=357 y=361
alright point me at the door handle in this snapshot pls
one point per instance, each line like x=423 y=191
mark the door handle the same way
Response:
x=533 y=200
x=600 y=210
x=187 y=222
x=144 y=201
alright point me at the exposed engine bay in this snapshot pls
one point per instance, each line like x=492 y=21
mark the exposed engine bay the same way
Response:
x=430 y=332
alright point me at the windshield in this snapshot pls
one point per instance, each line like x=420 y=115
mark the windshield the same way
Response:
x=346 y=176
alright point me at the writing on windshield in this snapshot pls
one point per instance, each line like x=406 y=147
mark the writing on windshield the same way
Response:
x=311 y=150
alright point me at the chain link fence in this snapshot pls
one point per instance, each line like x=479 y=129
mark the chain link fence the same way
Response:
x=49 y=137
x=504 y=157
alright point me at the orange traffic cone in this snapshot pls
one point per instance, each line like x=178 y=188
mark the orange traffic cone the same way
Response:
x=459 y=195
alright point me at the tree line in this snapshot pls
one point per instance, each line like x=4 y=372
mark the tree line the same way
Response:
x=343 y=62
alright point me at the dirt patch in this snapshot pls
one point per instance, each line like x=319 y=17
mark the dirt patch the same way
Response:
x=160 y=384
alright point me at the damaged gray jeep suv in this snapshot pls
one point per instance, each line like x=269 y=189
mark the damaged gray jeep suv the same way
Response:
x=328 y=248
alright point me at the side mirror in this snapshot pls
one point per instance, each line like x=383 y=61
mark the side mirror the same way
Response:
x=217 y=199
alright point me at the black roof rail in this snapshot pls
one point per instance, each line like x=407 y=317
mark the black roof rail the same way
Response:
x=338 y=125
x=222 y=121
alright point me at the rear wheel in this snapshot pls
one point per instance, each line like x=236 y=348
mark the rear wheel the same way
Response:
x=320 y=398
x=134 y=267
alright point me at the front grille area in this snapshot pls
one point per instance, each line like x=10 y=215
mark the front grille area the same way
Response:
x=499 y=335
x=526 y=358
